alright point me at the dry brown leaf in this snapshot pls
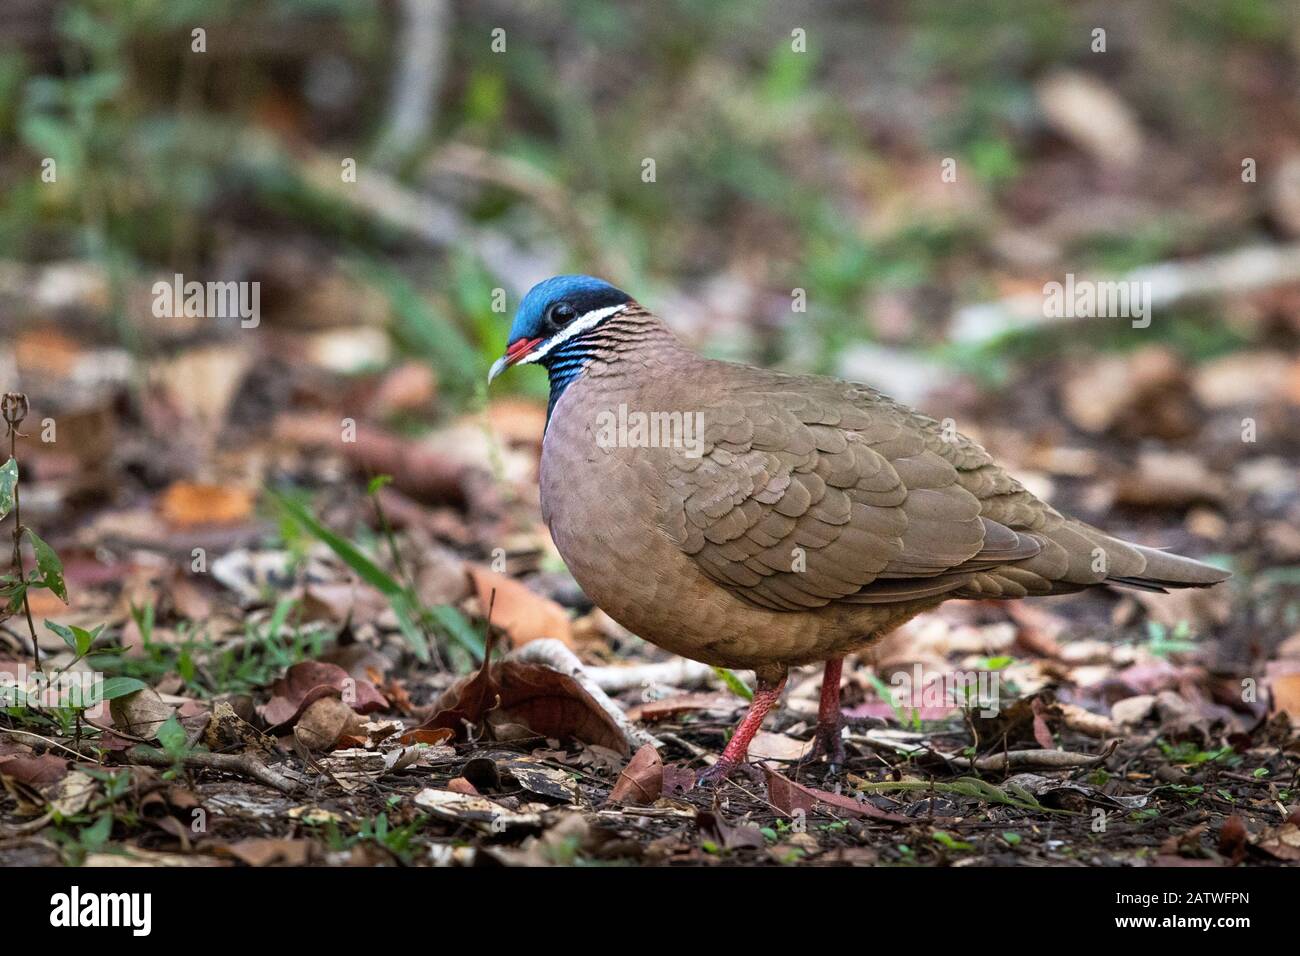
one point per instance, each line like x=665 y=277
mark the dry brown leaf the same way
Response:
x=769 y=745
x=517 y=421
x=425 y=735
x=308 y=681
x=264 y=851
x=1282 y=843
x=1285 y=688
x=462 y=786
x=323 y=722
x=408 y=387
x=1170 y=480
x=641 y=782
x=1090 y=114
x=521 y=613
x=790 y=798
x=723 y=702
x=35 y=771
x=542 y=700
x=140 y=713
x=187 y=505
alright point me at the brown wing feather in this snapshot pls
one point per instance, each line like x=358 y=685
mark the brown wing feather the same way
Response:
x=813 y=491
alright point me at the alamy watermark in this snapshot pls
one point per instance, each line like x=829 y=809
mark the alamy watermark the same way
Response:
x=1086 y=298
x=74 y=908
x=972 y=689
x=77 y=690
x=209 y=300
x=621 y=428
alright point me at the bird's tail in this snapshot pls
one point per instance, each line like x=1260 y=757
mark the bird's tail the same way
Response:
x=1164 y=570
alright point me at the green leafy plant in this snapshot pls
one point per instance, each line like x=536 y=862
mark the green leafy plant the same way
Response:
x=734 y=683
x=1162 y=641
x=412 y=616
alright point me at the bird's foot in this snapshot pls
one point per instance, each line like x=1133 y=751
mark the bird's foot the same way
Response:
x=828 y=745
x=722 y=770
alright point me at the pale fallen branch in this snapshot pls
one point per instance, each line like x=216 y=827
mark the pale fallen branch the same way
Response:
x=680 y=672
x=243 y=764
x=1031 y=759
x=1171 y=283
x=551 y=653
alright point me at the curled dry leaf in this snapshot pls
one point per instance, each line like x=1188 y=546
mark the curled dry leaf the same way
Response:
x=140 y=713
x=667 y=707
x=323 y=722
x=73 y=793
x=429 y=735
x=309 y=681
x=1282 y=843
x=715 y=828
x=548 y=703
x=226 y=730
x=537 y=778
x=555 y=705
x=1284 y=687
x=642 y=781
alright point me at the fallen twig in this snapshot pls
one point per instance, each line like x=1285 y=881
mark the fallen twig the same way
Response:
x=682 y=673
x=244 y=764
x=1031 y=759
x=1170 y=283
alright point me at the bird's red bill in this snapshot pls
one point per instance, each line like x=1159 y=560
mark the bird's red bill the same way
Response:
x=518 y=349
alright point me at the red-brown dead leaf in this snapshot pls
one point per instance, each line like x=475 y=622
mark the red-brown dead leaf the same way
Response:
x=517 y=421
x=715 y=828
x=265 y=851
x=523 y=614
x=187 y=598
x=1042 y=733
x=461 y=785
x=555 y=705
x=545 y=701
x=789 y=797
x=1233 y=838
x=641 y=782
x=425 y=735
x=309 y=681
x=35 y=771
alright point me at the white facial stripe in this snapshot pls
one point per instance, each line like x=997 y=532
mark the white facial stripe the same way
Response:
x=584 y=322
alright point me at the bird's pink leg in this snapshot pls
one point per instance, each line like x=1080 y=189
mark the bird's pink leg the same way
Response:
x=827 y=741
x=733 y=755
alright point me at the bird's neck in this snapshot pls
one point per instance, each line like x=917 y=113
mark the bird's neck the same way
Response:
x=623 y=344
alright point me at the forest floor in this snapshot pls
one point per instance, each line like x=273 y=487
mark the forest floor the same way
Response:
x=308 y=658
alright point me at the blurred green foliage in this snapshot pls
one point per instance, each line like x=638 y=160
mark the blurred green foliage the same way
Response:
x=776 y=164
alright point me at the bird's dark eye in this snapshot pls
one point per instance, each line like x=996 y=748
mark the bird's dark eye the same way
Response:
x=562 y=313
